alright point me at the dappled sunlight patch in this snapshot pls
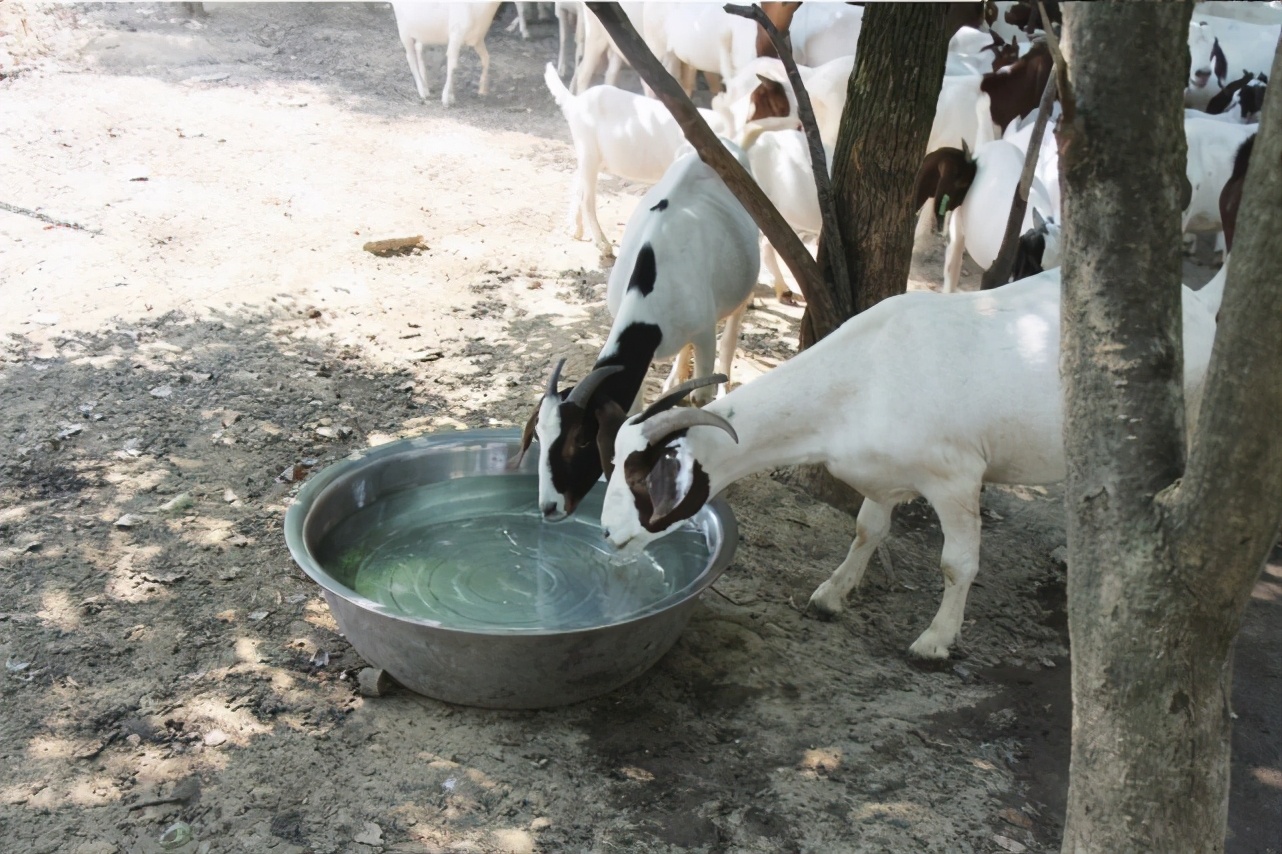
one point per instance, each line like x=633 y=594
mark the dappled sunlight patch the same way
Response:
x=209 y=713
x=93 y=791
x=820 y=761
x=14 y=513
x=1271 y=777
x=905 y=810
x=127 y=580
x=317 y=613
x=58 y=610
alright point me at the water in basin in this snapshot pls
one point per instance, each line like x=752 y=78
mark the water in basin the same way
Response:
x=474 y=553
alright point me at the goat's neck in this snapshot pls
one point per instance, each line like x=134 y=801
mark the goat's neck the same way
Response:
x=780 y=420
x=632 y=349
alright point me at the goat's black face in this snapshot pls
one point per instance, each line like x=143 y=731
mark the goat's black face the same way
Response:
x=1028 y=256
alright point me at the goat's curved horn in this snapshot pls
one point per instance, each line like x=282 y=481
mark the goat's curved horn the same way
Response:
x=582 y=393
x=554 y=379
x=676 y=395
x=667 y=423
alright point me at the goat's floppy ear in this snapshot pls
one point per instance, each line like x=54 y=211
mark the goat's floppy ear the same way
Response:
x=667 y=486
x=527 y=436
x=966 y=155
x=927 y=180
x=1219 y=61
x=609 y=418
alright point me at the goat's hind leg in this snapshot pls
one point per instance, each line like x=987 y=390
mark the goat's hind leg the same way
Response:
x=959 y=519
x=871 y=527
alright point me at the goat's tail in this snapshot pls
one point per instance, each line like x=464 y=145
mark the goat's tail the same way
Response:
x=562 y=95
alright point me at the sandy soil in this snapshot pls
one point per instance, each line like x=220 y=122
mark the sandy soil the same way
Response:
x=188 y=314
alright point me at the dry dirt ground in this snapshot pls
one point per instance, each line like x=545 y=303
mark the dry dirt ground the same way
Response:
x=188 y=314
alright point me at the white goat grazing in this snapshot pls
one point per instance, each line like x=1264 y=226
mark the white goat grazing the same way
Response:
x=948 y=393
x=451 y=24
x=624 y=133
x=688 y=259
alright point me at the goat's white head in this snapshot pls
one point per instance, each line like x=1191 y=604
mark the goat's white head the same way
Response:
x=576 y=439
x=658 y=481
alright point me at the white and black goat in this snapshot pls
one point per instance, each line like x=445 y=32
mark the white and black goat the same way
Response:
x=688 y=258
x=921 y=395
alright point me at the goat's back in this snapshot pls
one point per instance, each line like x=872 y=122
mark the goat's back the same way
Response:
x=937 y=382
x=634 y=136
x=437 y=23
x=705 y=253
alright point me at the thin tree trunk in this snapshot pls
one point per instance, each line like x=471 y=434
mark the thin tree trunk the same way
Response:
x=890 y=105
x=999 y=273
x=1159 y=567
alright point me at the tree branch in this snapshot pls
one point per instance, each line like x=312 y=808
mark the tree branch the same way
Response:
x=1061 y=70
x=818 y=159
x=1236 y=430
x=999 y=272
x=738 y=180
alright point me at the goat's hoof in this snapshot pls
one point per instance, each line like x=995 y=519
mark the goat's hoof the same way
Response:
x=789 y=298
x=929 y=648
x=825 y=604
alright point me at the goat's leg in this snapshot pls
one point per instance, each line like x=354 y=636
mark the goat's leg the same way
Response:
x=729 y=341
x=592 y=54
x=770 y=258
x=705 y=349
x=587 y=206
x=680 y=371
x=953 y=254
x=959 y=519
x=925 y=219
x=613 y=65
x=451 y=62
x=563 y=35
x=871 y=527
x=484 y=53
x=414 y=54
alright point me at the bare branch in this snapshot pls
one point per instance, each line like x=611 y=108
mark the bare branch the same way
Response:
x=999 y=273
x=1061 y=70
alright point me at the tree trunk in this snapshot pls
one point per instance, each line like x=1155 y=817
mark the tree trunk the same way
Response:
x=890 y=105
x=1160 y=567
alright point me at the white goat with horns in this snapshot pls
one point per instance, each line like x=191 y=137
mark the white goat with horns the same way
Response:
x=922 y=394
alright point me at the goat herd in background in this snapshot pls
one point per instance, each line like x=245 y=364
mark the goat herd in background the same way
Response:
x=952 y=391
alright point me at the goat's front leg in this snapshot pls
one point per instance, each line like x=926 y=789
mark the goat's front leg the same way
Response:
x=451 y=62
x=871 y=527
x=729 y=341
x=959 y=519
x=414 y=54
x=680 y=369
x=953 y=254
x=484 y=53
x=705 y=352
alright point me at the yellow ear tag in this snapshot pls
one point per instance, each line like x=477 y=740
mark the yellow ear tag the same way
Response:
x=943 y=205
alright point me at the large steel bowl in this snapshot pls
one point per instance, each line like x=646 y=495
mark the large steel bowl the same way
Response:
x=503 y=669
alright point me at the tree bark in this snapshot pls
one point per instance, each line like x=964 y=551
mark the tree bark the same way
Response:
x=790 y=248
x=1160 y=567
x=890 y=105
